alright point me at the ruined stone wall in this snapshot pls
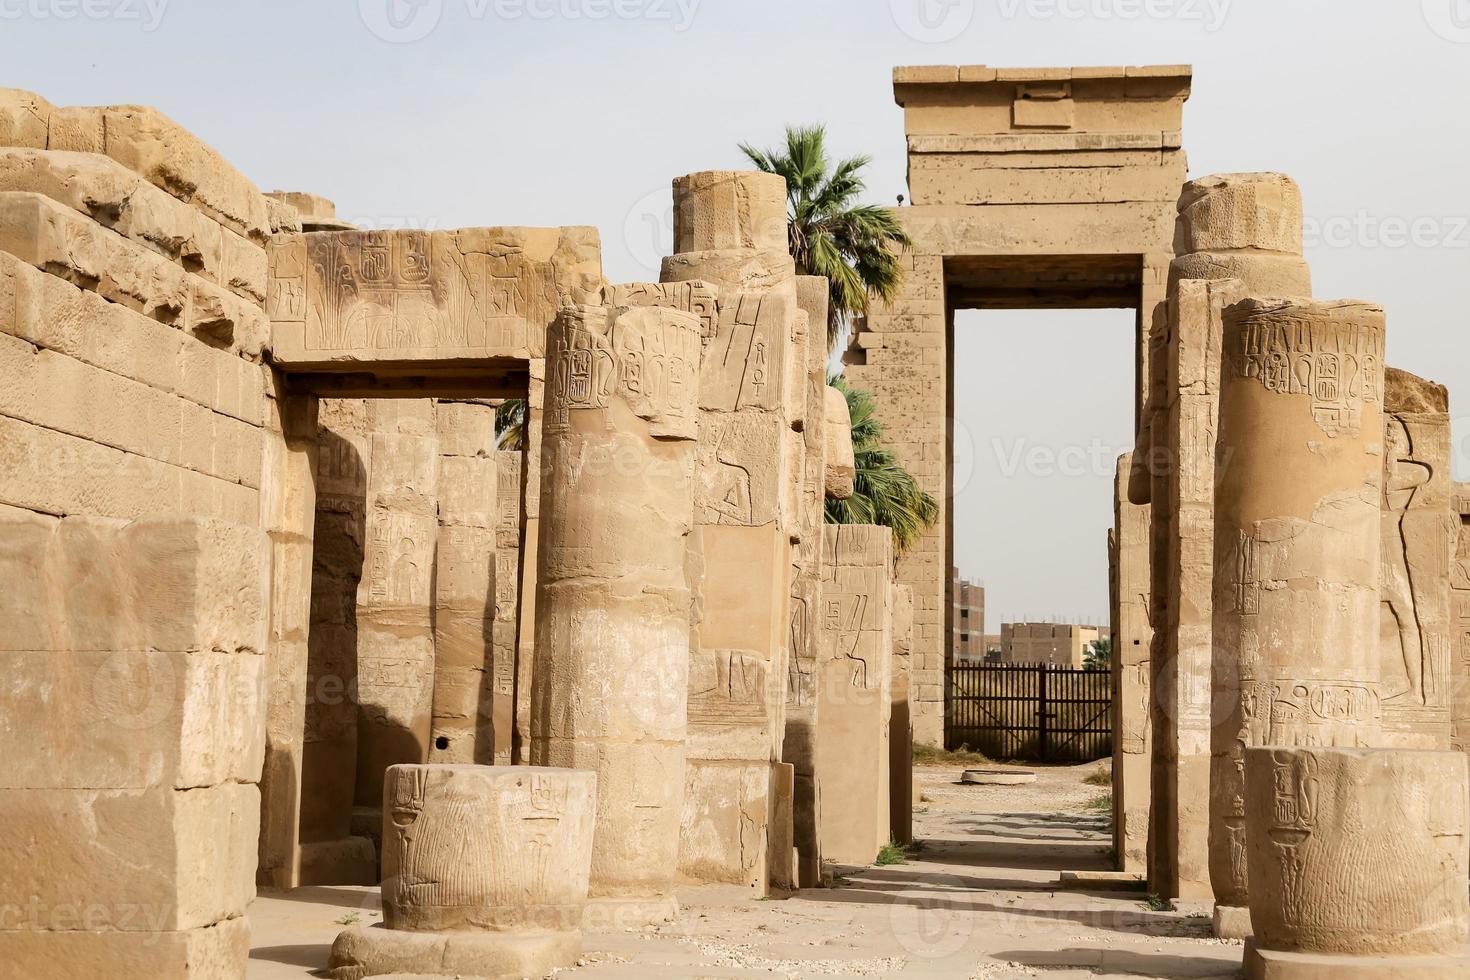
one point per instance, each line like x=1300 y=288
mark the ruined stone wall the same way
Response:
x=138 y=428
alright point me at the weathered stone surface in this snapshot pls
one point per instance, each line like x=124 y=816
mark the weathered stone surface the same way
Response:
x=841 y=467
x=720 y=210
x=900 y=727
x=137 y=860
x=214 y=952
x=1297 y=517
x=1132 y=636
x=379 y=952
x=170 y=157
x=1420 y=533
x=66 y=244
x=1460 y=623
x=119 y=199
x=486 y=849
x=1225 y=212
x=617 y=469
x=855 y=692
x=1357 y=854
x=447 y=296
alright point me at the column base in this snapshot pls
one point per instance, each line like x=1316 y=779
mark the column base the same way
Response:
x=620 y=914
x=1233 y=922
x=1265 y=964
x=377 y=951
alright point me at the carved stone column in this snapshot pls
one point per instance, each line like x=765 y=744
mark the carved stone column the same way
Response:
x=485 y=873
x=1358 y=861
x=610 y=687
x=1299 y=474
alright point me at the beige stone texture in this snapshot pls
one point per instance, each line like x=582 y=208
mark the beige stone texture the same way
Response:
x=485 y=870
x=730 y=231
x=1460 y=622
x=799 y=742
x=611 y=683
x=467 y=683
x=339 y=298
x=65 y=243
x=855 y=692
x=1174 y=467
x=484 y=848
x=1358 y=857
x=1299 y=485
x=395 y=598
x=215 y=952
x=841 y=467
x=736 y=692
x=1420 y=534
x=119 y=199
x=1132 y=638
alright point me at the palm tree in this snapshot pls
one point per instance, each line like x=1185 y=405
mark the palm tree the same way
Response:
x=1099 y=654
x=510 y=424
x=853 y=245
x=884 y=493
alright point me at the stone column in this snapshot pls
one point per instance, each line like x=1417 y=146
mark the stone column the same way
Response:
x=395 y=600
x=485 y=873
x=1237 y=235
x=465 y=586
x=1132 y=644
x=1460 y=605
x=330 y=853
x=854 y=692
x=1420 y=533
x=730 y=236
x=1358 y=862
x=799 y=747
x=611 y=682
x=1299 y=473
x=511 y=687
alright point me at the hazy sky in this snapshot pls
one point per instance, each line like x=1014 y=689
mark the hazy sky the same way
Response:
x=448 y=113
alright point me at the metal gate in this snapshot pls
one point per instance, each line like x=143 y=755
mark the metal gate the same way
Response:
x=1035 y=713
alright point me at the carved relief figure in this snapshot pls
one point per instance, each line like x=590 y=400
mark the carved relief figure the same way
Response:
x=1403 y=478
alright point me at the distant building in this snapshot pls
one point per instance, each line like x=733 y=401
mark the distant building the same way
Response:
x=967 y=629
x=1051 y=644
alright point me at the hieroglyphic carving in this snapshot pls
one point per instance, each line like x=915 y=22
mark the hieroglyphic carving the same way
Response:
x=470 y=847
x=727 y=688
x=696 y=296
x=1460 y=622
x=1358 y=852
x=745 y=361
x=1339 y=367
x=647 y=362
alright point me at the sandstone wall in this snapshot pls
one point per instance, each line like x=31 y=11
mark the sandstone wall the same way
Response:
x=137 y=430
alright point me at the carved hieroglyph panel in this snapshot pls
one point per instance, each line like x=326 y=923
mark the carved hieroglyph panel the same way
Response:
x=472 y=847
x=1358 y=852
x=394 y=295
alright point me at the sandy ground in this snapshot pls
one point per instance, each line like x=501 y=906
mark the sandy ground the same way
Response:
x=979 y=900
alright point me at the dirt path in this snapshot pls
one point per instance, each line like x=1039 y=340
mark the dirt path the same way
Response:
x=979 y=901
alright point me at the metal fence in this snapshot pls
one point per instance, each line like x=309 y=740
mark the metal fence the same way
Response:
x=1035 y=713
